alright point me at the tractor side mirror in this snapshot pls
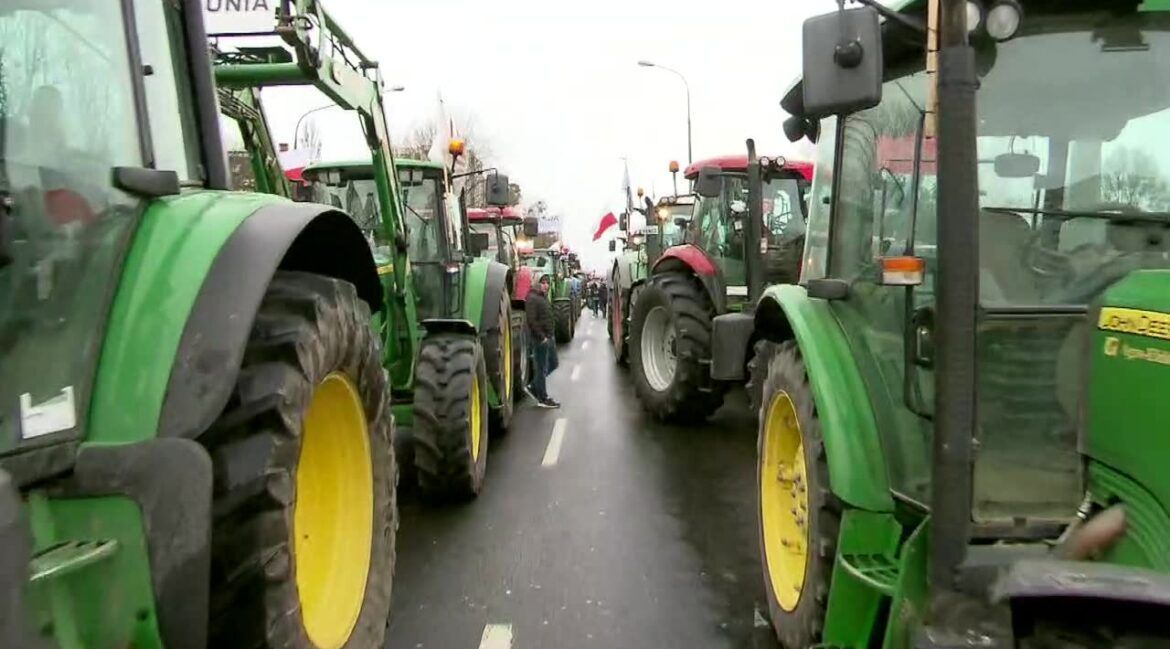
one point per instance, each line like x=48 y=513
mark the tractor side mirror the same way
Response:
x=709 y=183
x=531 y=227
x=624 y=221
x=477 y=243
x=1017 y=165
x=842 y=62
x=499 y=191
x=613 y=245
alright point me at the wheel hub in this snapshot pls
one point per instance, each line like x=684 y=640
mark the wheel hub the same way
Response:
x=784 y=502
x=659 y=360
x=333 y=518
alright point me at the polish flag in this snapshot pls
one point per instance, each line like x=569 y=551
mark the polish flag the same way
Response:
x=607 y=221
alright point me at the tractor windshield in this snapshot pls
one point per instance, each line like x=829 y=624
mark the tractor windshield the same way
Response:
x=672 y=233
x=1075 y=190
x=423 y=221
x=492 y=250
x=67 y=118
x=358 y=198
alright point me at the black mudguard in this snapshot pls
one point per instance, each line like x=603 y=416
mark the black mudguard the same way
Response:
x=15 y=553
x=283 y=236
x=731 y=335
x=448 y=325
x=170 y=480
x=496 y=288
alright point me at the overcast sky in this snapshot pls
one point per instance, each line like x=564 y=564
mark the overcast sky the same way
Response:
x=556 y=90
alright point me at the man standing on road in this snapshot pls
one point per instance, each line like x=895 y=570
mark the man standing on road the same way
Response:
x=540 y=331
x=603 y=296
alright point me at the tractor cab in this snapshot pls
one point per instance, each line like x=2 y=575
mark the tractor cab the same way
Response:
x=496 y=233
x=667 y=224
x=433 y=232
x=718 y=224
x=988 y=254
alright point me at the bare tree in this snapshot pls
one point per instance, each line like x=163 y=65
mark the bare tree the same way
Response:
x=310 y=139
x=1132 y=177
x=417 y=143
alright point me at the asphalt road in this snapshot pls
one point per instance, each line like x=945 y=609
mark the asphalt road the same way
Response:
x=615 y=532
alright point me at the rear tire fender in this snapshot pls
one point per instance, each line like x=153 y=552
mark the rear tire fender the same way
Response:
x=853 y=448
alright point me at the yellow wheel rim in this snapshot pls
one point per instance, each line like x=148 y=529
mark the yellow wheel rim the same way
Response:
x=475 y=420
x=784 y=502
x=506 y=327
x=333 y=521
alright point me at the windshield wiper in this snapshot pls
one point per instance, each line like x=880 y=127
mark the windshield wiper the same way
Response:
x=1123 y=217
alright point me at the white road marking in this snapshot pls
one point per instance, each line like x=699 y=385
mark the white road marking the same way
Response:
x=585 y=345
x=553 y=452
x=496 y=636
x=576 y=373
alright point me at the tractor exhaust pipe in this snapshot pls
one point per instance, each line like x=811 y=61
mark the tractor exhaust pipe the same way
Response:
x=753 y=229
x=958 y=280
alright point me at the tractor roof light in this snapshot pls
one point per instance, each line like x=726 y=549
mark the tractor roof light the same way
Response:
x=455 y=147
x=674 y=166
x=1004 y=20
x=975 y=16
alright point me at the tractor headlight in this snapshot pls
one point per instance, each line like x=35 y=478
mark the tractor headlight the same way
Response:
x=1004 y=20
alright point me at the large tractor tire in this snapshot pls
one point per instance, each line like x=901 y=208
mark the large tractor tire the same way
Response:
x=520 y=362
x=450 y=418
x=798 y=518
x=563 y=320
x=499 y=347
x=307 y=429
x=619 y=327
x=757 y=372
x=670 y=349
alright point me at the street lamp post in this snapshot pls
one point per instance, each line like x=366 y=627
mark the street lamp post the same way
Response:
x=297 y=129
x=650 y=64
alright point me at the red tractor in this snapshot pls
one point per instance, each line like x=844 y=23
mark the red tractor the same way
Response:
x=691 y=323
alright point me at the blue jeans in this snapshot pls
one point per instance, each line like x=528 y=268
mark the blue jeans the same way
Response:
x=544 y=361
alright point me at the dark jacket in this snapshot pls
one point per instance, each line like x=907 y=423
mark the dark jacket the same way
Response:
x=540 y=315
x=603 y=292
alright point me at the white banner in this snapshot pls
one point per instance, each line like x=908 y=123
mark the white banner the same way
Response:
x=239 y=16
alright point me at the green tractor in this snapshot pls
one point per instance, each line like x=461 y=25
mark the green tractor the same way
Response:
x=641 y=250
x=962 y=439
x=188 y=374
x=564 y=297
x=494 y=233
x=449 y=284
x=690 y=326
x=447 y=326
